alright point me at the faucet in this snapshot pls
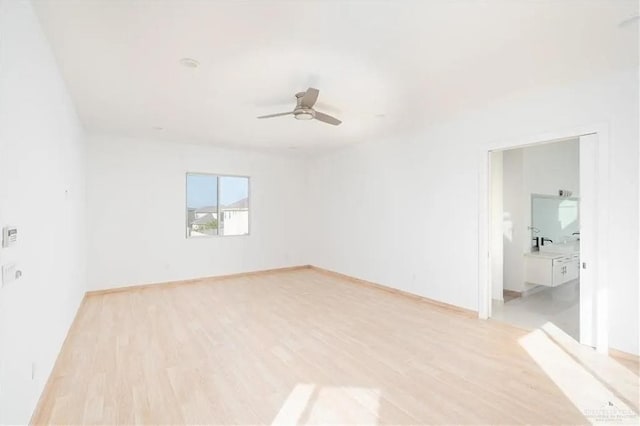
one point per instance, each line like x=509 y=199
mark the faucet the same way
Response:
x=543 y=239
x=537 y=242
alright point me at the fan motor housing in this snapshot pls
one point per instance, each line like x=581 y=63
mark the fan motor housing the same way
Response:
x=303 y=114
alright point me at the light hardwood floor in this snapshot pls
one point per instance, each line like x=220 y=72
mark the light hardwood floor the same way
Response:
x=306 y=347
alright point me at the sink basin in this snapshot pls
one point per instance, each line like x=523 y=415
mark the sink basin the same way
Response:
x=570 y=247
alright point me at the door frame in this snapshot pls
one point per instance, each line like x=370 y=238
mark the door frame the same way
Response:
x=598 y=337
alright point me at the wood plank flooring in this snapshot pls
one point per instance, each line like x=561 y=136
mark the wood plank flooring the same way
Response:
x=300 y=347
x=508 y=295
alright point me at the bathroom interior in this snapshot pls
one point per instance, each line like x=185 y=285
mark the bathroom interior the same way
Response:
x=535 y=209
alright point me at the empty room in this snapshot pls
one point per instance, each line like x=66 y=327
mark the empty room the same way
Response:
x=352 y=212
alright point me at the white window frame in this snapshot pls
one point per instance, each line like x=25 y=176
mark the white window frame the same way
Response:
x=217 y=176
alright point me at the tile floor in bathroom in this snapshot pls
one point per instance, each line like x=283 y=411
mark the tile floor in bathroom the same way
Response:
x=558 y=305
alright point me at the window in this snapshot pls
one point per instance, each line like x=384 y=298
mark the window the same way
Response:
x=217 y=205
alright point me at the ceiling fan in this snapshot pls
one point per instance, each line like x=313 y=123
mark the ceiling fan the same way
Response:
x=304 y=110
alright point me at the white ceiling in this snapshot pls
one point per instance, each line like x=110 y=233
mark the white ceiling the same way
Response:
x=383 y=67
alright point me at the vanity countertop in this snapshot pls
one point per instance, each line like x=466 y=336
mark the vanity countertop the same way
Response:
x=548 y=254
x=569 y=247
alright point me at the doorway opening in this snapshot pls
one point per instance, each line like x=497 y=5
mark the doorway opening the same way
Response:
x=535 y=224
x=545 y=236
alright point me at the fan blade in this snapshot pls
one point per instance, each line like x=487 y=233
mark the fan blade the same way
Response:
x=275 y=115
x=325 y=118
x=310 y=97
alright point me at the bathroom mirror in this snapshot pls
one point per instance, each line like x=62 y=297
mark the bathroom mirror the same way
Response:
x=555 y=218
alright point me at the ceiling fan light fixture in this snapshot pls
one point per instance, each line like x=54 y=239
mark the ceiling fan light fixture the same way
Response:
x=303 y=115
x=189 y=63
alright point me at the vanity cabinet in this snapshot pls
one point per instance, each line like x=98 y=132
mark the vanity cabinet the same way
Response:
x=551 y=269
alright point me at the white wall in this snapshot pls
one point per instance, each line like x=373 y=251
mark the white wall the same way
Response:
x=553 y=166
x=430 y=180
x=539 y=169
x=497 y=225
x=136 y=213
x=515 y=234
x=42 y=193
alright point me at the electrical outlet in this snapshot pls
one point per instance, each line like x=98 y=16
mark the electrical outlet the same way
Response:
x=9 y=273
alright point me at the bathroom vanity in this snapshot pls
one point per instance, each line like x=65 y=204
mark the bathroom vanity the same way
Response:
x=555 y=231
x=551 y=269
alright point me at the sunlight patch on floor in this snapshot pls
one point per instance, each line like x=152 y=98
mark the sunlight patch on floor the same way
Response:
x=585 y=380
x=294 y=406
x=607 y=370
x=312 y=404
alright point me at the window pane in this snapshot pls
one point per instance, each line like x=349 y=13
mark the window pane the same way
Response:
x=202 y=205
x=234 y=205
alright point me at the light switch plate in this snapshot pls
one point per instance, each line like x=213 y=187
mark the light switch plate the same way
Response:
x=9 y=236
